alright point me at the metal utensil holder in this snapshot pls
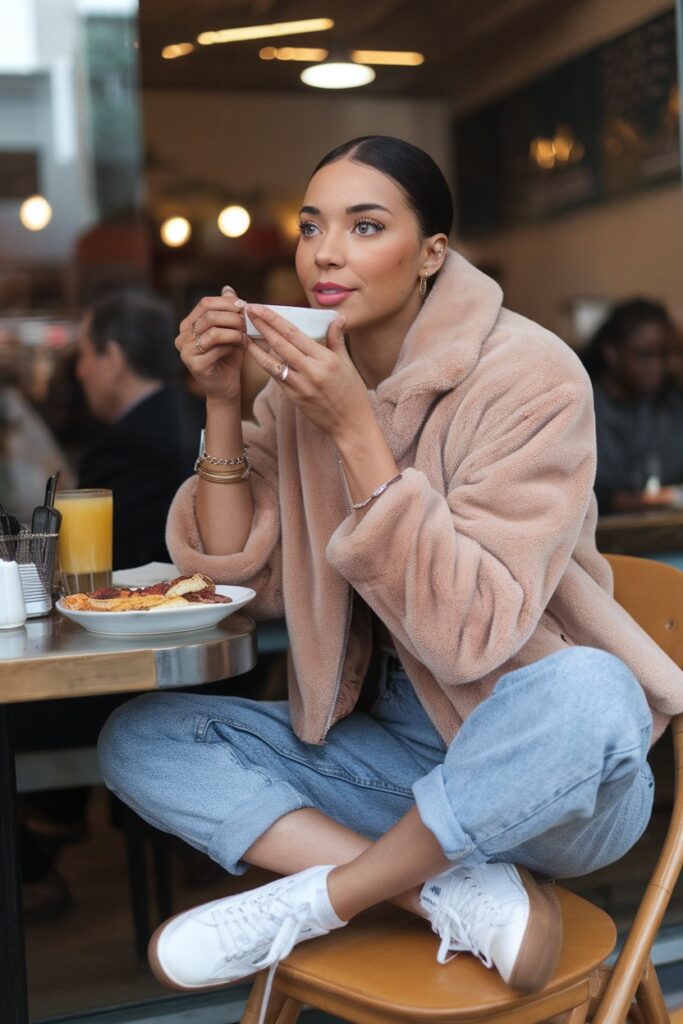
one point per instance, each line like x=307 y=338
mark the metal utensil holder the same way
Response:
x=35 y=555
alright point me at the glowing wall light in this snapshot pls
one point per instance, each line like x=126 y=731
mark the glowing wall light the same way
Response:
x=233 y=221
x=35 y=213
x=175 y=231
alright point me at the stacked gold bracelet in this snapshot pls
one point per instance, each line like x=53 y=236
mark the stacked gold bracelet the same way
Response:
x=223 y=470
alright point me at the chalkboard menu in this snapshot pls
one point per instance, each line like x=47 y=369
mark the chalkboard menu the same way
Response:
x=598 y=126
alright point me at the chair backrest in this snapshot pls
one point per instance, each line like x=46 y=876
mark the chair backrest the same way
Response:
x=652 y=593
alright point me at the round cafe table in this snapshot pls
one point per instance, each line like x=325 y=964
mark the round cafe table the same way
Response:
x=52 y=658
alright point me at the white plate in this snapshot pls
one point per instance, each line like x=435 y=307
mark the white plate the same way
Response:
x=161 y=620
x=313 y=322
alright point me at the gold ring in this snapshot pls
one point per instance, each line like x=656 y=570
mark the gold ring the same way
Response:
x=197 y=343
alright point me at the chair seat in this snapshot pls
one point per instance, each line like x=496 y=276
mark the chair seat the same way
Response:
x=385 y=962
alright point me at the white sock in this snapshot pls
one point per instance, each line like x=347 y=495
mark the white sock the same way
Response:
x=315 y=888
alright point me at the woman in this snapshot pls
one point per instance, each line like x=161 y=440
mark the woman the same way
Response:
x=421 y=489
x=638 y=408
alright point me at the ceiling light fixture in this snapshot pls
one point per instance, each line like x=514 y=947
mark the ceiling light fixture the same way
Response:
x=280 y=28
x=174 y=50
x=337 y=75
x=402 y=58
x=308 y=54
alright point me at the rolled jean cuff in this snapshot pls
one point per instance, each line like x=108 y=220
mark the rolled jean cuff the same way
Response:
x=249 y=821
x=437 y=814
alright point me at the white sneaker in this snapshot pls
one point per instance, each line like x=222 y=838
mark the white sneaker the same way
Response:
x=501 y=915
x=234 y=937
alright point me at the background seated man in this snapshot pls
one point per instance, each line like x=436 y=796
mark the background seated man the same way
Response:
x=128 y=367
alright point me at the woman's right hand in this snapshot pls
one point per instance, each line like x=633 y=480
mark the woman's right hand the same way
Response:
x=211 y=344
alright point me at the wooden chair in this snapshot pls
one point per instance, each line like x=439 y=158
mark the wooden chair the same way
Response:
x=382 y=967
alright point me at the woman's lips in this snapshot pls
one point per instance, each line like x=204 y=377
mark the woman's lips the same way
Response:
x=331 y=294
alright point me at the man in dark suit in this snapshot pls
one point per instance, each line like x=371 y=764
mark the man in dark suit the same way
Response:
x=128 y=368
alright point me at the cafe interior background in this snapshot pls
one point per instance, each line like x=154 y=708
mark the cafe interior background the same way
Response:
x=147 y=143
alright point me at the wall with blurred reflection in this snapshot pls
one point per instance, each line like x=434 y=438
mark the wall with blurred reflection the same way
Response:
x=630 y=246
x=270 y=143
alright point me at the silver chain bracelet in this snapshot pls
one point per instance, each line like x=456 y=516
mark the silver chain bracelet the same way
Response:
x=377 y=491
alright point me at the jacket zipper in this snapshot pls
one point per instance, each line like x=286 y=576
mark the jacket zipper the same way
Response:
x=347 y=622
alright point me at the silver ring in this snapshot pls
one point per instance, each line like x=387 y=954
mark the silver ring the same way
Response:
x=282 y=375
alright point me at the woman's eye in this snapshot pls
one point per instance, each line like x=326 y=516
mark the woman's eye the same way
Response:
x=307 y=228
x=368 y=227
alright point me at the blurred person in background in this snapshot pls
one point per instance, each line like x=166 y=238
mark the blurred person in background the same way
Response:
x=675 y=367
x=638 y=408
x=29 y=453
x=63 y=406
x=127 y=367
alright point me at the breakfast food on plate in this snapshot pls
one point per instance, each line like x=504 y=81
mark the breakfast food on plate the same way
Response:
x=181 y=592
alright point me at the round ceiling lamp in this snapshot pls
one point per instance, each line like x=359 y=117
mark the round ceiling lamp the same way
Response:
x=35 y=213
x=233 y=221
x=175 y=231
x=337 y=75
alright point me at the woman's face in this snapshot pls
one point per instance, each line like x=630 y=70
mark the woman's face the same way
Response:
x=640 y=363
x=361 y=250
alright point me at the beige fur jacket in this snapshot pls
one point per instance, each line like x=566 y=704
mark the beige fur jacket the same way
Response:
x=480 y=560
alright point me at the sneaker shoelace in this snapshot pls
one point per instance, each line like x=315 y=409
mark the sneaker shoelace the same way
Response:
x=458 y=928
x=266 y=920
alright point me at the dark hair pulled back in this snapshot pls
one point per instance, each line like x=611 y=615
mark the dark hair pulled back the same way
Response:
x=412 y=169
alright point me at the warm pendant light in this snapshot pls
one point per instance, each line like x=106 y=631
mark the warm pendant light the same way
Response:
x=337 y=74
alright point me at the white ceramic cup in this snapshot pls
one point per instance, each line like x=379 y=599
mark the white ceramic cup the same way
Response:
x=313 y=322
x=12 y=607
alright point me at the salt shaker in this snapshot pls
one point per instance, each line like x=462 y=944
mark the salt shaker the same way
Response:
x=12 y=607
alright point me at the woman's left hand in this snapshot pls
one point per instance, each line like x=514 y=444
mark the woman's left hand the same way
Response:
x=321 y=380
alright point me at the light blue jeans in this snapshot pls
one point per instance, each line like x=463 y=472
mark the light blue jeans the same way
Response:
x=549 y=772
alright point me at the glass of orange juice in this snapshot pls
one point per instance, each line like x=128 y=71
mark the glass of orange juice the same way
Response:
x=85 y=546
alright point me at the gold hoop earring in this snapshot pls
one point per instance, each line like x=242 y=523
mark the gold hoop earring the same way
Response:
x=423 y=284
